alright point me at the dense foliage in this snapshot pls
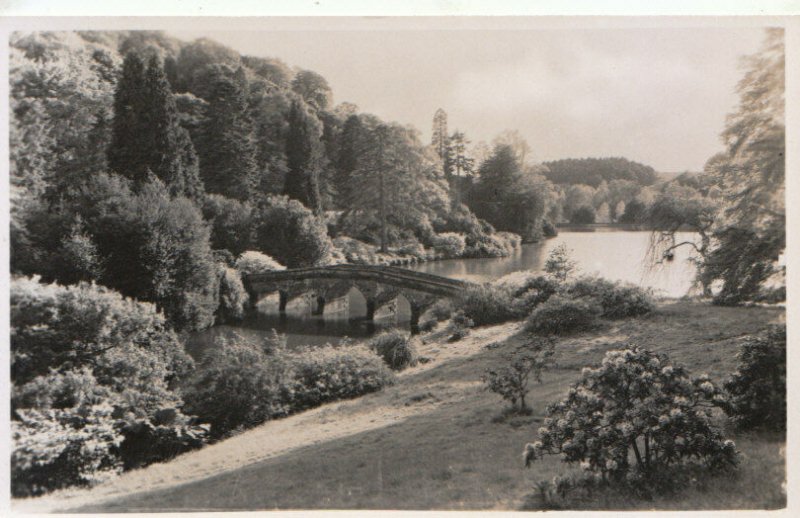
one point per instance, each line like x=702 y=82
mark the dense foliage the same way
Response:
x=93 y=373
x=594 y=171
x=757 y=390
x=617 y=300
x=636 y=402
x=396 y=349
x=561 y=315
x=286 y=230
x=241 y=384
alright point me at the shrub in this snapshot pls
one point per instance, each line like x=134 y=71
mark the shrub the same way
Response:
x=427 y=326
x=231 y=223
x=617 y=300
x=252 y=262
x=355 y=251
x=459 y=326
x=127 y=343
x=237 y=385
x=169 y=434
x=291 y=233
x=233 y=298
x=509 y=240
x=560 y=315
x=396 y=349
x=511 y=381
x=413 y=248
x=57 y=448
x=449 y=244
x=757 y=390
x=527 y=289
x=486 y=304
x=559 y=265
x=329 y=373
x=486 y=245
x=637 y=403
x=60 y=390
x=441 y=310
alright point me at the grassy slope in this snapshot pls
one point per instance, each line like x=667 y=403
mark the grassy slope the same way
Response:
x=465 y=455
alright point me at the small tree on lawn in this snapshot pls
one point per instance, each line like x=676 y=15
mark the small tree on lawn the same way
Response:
x=634 y=416
x=528 y=362
x=559 y=265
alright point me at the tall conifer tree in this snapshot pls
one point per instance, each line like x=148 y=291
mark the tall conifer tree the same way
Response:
x=228 y=155
x=304 y=155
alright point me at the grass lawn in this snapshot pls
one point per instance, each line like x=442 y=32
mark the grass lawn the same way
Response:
x=466 y=453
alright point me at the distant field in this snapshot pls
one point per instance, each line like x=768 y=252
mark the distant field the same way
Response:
x=453 y=449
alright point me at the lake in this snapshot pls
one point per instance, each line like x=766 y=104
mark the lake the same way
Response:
x=607 y=252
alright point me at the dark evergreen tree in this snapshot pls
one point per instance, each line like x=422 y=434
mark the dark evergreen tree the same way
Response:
x=146 y=134
x=126 y=155
x=228 y=157
x=347 y=160
x=304 y=156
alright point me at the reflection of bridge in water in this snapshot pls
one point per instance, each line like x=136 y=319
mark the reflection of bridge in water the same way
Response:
x=379 y=285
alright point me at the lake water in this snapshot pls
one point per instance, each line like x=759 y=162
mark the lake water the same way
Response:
x=607 y=252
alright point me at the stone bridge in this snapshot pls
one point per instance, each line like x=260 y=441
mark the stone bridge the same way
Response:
x=378 y=284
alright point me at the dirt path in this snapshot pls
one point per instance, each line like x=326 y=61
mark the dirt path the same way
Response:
x=275 y=438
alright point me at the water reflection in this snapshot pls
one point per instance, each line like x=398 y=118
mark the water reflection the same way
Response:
x=616 y=255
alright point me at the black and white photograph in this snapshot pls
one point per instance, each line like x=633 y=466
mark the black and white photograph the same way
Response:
x=398 y=263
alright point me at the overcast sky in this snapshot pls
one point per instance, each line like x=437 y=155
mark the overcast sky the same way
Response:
x=658 y=96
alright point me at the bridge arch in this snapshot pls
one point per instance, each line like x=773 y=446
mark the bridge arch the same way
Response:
x=379 y=285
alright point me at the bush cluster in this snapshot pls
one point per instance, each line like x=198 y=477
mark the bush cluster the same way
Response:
x=617 y=300
x=252 y=262
x=241 y=384
x=93 y=374
x=560 y=315
x=396 y=349
x=449 y=244
x=757 y=390
x=486 y=304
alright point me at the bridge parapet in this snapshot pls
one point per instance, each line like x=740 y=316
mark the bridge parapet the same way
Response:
x=378 y=284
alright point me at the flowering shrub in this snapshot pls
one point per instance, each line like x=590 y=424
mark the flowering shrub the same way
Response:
x=617 y=300
x=251 y=262
x=559 y=315
x=56 y=448
x=635 y=402
x=396 y=349
x=511 y=381
x=757 y=390
x=449 y=244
